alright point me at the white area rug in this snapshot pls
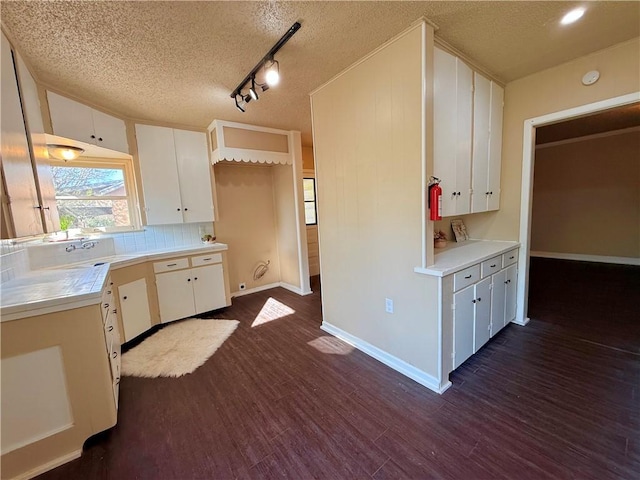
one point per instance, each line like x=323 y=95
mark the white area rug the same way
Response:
x=177 y=349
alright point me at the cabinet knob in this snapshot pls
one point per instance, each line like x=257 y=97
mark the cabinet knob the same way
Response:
x=493 y=266
x=185 y=209
x=93 y=136
x=106 y=305
x=490 y=193
x=195 y=278
x=178 y=209
x=473 y=301
x=124 y=298
x=188 y=279
x=99 y=139
x=110 y=328
x=506 y=281
x=115 y=354
x=479 y=299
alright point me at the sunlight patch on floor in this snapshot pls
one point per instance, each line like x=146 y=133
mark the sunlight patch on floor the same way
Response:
x=331 y=346
x=272 y=310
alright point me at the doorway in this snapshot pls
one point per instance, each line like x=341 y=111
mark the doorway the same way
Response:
x=526 y=203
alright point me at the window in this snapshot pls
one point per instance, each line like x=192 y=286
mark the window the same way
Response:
x=310 y=211
x=95 y=195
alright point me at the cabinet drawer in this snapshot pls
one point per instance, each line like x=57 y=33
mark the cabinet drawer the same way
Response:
x=491 y=266
x=466 y=277
x=169 y=265
x=206 y=259
x=509 y=258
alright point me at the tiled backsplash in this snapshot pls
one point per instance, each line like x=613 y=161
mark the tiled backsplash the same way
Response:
x=19 y=257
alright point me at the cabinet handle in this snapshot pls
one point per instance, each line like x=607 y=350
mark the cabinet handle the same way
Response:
x=206 y=259
x=100 y=139
x=117 y=380
x=468 y=276
x=473 y=301
x=110 y=328
x=195 y=278
x=106 y=305
x=110 y=283
x=479 y=299
x=178 y=209
x=511 y=258
x=93 y=136
x=490 y=193
x=115 y=310
x=506 y=281
x=108 y=292
x=185 y=209
x=171 y=264
x=124 y=298
x=486 y=193
x=115 y=354
x=493 y=266
x=188 y=279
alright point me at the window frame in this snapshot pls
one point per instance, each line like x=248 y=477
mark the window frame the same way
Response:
x=314 y=201
x=124 y=164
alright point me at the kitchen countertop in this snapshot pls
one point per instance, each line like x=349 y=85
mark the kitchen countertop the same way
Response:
x=455 y=257
x=76 y=285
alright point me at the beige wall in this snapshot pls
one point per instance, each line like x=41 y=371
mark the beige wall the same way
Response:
x=247 y=222
x=549 y=91
x=586 y=197
x=367 y=130
x=286 y=227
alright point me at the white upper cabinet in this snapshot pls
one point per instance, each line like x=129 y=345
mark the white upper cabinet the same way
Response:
x=453 y=100
x=80 y=122
x=176 y=179
x=23 y=206
x=487 y=144
x=467 y=136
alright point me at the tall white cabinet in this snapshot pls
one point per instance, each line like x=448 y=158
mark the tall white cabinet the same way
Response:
x=467 y=136
x=452 y=111
x=176 y=176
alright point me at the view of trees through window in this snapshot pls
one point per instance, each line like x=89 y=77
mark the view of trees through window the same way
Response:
x=90 y=197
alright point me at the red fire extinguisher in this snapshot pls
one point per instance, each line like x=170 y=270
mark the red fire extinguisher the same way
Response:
x=435 y=200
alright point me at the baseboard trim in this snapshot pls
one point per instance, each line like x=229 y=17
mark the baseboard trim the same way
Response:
x=56 y=462
x=522 y=323
x=291 y=288
x=389 y=360
x=587 y=258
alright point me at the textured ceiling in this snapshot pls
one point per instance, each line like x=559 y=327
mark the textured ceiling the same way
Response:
x=177 y=62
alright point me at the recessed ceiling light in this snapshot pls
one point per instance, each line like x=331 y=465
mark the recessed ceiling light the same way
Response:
x=572 y=16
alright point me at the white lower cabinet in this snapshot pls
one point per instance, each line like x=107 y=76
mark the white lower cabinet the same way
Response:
x=483 y=303
x=134 y=305
x=190 y=291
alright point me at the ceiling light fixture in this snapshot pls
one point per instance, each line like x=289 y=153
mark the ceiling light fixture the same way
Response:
x=572 y=16
x=271 y=69
x=64 y=152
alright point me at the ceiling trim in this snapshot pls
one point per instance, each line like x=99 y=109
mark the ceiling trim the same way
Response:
x=474 y=65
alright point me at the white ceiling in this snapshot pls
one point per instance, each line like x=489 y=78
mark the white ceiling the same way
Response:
x=177 y=62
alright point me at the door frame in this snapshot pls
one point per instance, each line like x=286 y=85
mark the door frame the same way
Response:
x=526 y=195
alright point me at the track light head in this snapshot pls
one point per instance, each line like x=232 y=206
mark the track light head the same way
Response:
x=272 y=75
x=252 y=90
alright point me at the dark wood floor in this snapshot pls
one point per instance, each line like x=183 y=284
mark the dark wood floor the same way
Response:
x=556 y=399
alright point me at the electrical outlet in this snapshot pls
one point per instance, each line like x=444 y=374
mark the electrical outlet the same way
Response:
x=242 y=286
x=388 y=305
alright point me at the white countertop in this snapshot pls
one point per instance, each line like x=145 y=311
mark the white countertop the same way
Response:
x=76 y=285
x=458 y=256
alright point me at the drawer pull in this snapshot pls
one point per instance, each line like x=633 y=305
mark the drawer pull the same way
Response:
x=493 y=266
x=108 y=292
x=110 y=328
x=207 y=259
x=106 y=305
x=171 y=264
x=468 y=276
x=115 y=354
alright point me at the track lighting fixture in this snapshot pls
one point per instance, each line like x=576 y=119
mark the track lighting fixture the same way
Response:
x=270 y=68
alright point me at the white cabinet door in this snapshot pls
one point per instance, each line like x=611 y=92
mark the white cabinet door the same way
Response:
x=208 y=288
x=445 y=128
x=482 y=313
x=194 y=176
x=510 y=293
x=134 y=306
x=463 y=325
x=110 y=132
x=463 y=148
x=156 y=153
x=16 y=158
x=498 y=289
x=453 y=102
x=495 y=146
x=30 y=100
x=71 y=119
x=481 y=125
x=175 y=295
